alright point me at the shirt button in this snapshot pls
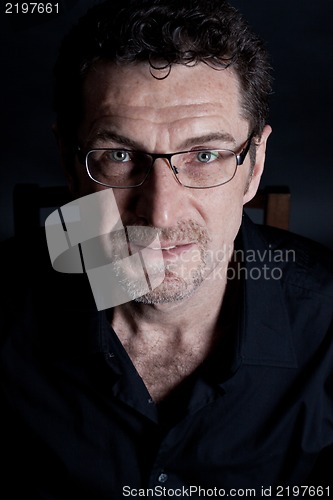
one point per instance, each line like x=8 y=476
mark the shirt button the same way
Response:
x=162 y=478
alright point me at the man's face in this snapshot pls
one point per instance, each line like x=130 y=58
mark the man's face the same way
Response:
x=193 y=108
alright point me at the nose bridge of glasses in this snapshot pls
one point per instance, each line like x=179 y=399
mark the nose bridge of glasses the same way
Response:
x=164 y=156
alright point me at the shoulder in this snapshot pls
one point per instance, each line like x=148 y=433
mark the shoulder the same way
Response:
x=33 y=294
x=294 y=297
x=23 y=262
x=306 y=264
x=296 y=260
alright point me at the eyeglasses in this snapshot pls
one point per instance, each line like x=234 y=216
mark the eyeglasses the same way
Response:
x=197 y=169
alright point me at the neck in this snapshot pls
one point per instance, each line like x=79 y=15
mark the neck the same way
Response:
x=177 y=320
x=168 y=342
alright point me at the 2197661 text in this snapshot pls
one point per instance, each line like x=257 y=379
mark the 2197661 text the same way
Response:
x=32 y=8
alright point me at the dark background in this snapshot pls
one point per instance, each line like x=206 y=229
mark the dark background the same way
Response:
x=299 y=37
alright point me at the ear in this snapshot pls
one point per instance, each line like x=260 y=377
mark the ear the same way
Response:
x=66 y=159
x=258 y=167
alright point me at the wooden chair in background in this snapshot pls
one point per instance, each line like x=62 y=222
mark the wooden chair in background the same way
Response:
x=275 y=204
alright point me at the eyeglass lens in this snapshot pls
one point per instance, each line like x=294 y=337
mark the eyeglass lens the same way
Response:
x=121 y=168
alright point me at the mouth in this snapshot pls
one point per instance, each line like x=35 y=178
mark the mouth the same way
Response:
x=163 y=248
x=170 y=241
x=169 y=250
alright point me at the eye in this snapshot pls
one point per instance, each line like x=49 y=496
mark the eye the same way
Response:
x=118 y=155
x=207 y=156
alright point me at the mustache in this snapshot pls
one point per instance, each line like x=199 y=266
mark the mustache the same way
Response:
x=187 y=231
x=116 y=245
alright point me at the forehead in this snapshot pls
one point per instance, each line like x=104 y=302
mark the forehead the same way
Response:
x=131 y=97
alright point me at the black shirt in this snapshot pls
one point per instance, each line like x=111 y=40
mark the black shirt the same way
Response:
x=78 y=421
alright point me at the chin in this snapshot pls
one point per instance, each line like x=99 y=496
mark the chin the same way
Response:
x=173 y=289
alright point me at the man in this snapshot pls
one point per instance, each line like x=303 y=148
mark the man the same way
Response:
x=218 y=380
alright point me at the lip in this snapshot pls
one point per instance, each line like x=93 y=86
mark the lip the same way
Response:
x=168 y=249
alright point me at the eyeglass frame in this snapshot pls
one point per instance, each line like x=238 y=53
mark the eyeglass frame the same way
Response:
x=240 y=158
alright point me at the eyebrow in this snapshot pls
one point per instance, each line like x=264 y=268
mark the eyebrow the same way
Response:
x=210 y=137
x=108 y=135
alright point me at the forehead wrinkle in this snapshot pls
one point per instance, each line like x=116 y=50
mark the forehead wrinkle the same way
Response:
x=143 y=97
x=109 y=121
x=169 y=112
x=113 y=122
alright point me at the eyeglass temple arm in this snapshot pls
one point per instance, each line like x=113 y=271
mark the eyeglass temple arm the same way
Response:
x=242 y=155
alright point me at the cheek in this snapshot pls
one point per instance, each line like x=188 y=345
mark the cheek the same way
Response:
x=126 y=201
x=225 y=216
x=81 y=184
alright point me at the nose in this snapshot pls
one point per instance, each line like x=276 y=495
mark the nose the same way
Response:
x=161 y=197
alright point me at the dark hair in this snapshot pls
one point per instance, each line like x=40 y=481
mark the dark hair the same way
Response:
x=163 y=33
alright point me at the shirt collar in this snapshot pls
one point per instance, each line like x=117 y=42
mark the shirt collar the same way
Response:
x=264 y=331
x=265 y=336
